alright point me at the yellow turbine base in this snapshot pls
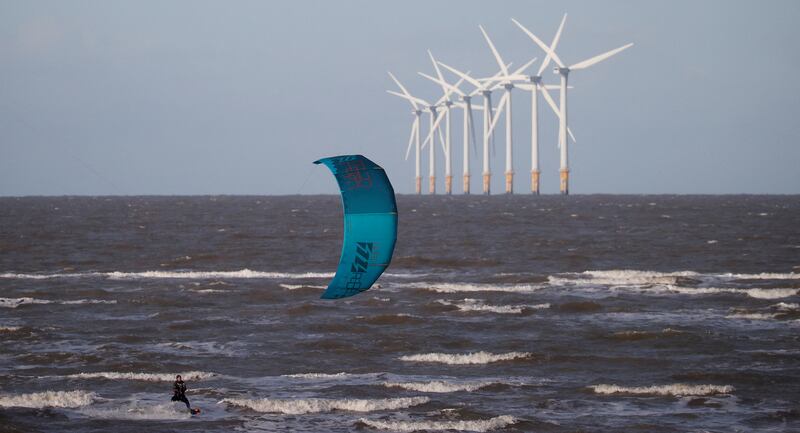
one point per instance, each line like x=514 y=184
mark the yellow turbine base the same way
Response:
x=432 y=185
x=418 y=185
x=486 y=181
x=448 y=184
x=535 y=182
x=564 y=181
x=466 y=184
x=509 y=182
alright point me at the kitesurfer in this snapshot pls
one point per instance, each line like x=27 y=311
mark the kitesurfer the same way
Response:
x=179 y=392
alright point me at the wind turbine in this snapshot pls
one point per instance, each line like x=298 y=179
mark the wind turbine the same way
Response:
x=447 y=90
x=414 y=138
x=469 y=123
x=504 y=104
x=485 y=88
x=564 y=71
x=433 y=111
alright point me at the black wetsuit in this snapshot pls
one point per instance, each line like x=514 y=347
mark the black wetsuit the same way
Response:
x=179 y=393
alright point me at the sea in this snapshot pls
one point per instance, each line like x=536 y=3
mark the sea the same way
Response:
x=586 y=313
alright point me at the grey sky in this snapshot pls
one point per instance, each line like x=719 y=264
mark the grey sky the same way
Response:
x=188 y=97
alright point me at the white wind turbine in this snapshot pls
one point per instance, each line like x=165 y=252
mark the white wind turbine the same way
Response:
x=485 y=88
x=564 y=71
x=433 y=111
x=414 y=138
x=507 y=83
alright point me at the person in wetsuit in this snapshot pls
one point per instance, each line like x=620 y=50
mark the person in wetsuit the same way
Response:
x=179 y=392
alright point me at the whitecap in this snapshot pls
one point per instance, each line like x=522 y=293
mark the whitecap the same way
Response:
x=438 y=386
x=469 y=305
x=148 y=377
x=139 y=411
x=300 y=286
x=677 y=389
x=194 y=275
x=318 y=405
x=464 y=359
x=39 y=400
x=470 y=287
x=471 y=425
x=16 y=302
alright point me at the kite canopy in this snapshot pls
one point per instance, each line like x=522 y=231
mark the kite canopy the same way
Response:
x=370 y=224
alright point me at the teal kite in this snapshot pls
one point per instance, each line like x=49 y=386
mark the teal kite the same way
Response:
x=370 y=224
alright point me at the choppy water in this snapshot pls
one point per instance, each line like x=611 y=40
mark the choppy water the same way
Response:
x=552 y=314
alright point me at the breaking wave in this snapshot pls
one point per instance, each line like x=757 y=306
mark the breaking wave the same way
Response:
x=678 y=389
x=438 y=386
x=319 y=375
x=469 y=287
x=467 y=358
x=16 y=302
x=300 y=286
x=633 y=277
x=148 y=377
x=318 y=405
x=472 y=425
x=9 y=328
x=135 y=411
x=753 y=293
x=193 y=275
x=39 y=400
x=469 y=305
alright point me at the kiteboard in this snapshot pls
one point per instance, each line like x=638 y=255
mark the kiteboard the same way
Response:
x=370 y=224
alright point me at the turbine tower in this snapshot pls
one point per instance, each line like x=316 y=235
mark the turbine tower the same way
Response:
x=564 y=71
x=508 y=84
x=485 y=88
x=414 y=138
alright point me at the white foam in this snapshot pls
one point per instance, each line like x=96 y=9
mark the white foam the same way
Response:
x=9 y=328
x=463 y=359
x=139 y=411
x=438 y=386
x=470 y=287
x=625 y=277
x=300 y=286
x=319 y=375
x=16 y=302
x=783 y=306
x=318 y=405
x=193 y=275
x=468 y=305
x=148 y=377
x=472 y=425
x=38 y=400
x=753 y=293
x=752 y=316
x=677 y=389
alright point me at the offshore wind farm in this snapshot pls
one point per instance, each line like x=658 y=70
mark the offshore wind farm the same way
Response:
x=539 y=228
x=504 y=79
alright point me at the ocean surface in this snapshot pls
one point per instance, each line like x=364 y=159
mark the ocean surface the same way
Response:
x=508 y=314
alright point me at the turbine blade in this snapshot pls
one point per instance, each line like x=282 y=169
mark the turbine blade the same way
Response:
x=405 y=92
x=524 y=67
x=501 y=106
x=599 y=58
x=410 y=98
x=438 y=71
x=552 y=46
x=550 y=101
x=447 y=93
x=469 y=79
x=443 y=83
x=569 y=131
x=539 y=42
x=499 y=60
x=414 y=126
x=472 y=130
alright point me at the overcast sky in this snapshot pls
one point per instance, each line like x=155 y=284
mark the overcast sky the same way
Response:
x=190 y=97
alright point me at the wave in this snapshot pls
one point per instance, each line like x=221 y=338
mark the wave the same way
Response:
x=497 y=422
x=469 y=305
x=320 y=375
x=464 y=359
x=633 y=277
x=39 y=400
x=318 y=405
x=135 y=411
x=753 y=293
x=148 y=377
x=300 y=286
x=193 y=275
x=784 y=306
x=471 y=287
x=9 y=328
x=16 y=302
x=438 y=386
x=678 y=389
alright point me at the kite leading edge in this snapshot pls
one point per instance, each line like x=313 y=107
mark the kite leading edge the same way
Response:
x=370 y=224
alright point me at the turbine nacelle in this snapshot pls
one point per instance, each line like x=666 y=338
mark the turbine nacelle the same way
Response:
x=560 y=70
